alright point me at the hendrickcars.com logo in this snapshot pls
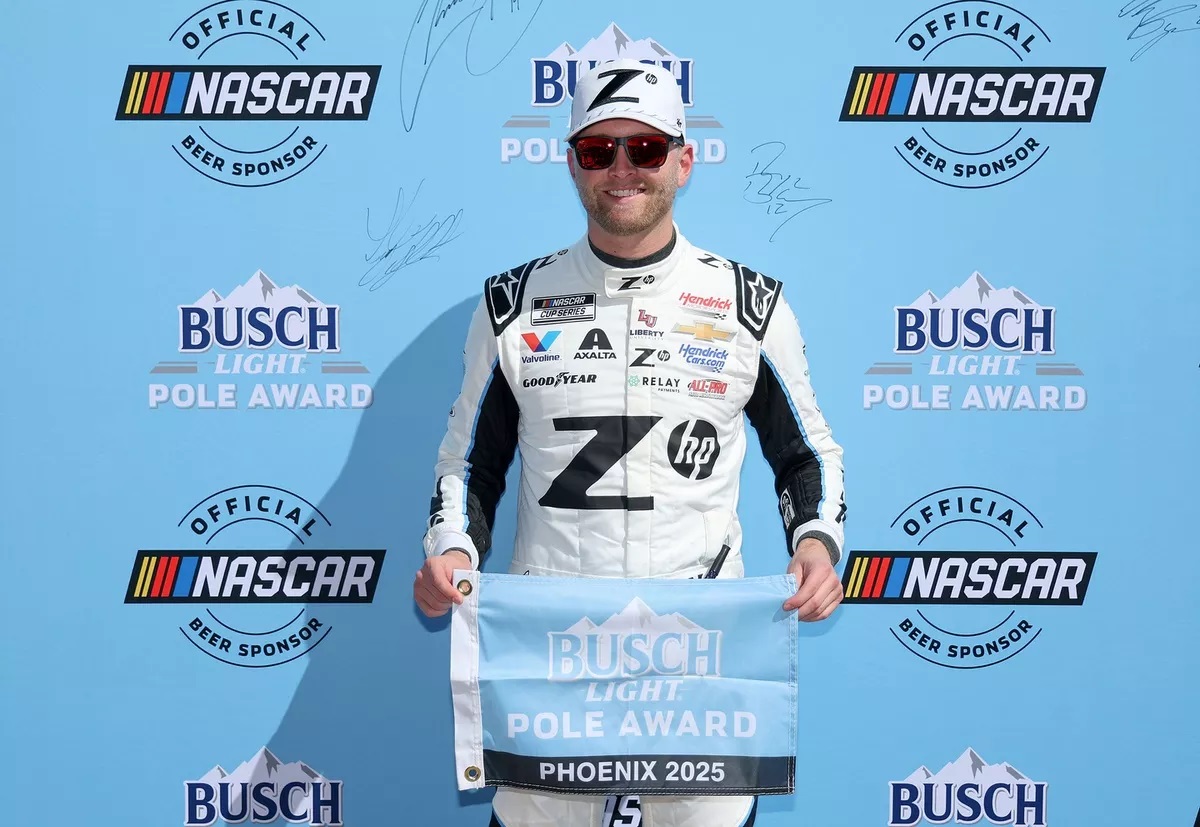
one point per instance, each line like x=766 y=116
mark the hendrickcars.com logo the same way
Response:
x=263 y=111
x=975 y=107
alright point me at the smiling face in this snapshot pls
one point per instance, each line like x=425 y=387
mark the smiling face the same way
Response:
x=625 y=201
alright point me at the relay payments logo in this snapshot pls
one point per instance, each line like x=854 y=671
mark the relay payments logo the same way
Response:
x=982 y=112
x=974 y=602
x=253 y=589
x=251 y=147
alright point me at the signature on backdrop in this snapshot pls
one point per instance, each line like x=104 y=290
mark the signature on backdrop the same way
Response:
x=493 y=28
x=1155 y=23
x=782 y=194
x=403 y=242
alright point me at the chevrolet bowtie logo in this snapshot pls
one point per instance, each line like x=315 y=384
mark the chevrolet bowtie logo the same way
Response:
x=704 y=331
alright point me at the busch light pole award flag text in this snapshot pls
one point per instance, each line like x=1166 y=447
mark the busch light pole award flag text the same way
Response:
x=625 y=686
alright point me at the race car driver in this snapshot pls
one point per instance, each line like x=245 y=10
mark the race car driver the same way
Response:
x=621 y=367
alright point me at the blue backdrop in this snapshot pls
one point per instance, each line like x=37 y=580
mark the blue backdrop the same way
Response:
x=144 y=189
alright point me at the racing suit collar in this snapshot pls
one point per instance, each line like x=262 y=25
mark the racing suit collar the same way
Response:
x=630 y=282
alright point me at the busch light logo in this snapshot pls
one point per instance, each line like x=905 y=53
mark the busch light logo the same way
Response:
x=554 y=76
x=259 y=328
x=985 y=317
x=976 y=330
x=634 y=643
x=968 y=791
x=553 y=80
x=263 y=790
x=259 y=315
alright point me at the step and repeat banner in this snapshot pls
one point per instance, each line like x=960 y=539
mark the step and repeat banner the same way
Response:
x=244 y=241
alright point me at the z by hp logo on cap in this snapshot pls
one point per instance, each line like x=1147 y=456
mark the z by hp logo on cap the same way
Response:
x=620 y=77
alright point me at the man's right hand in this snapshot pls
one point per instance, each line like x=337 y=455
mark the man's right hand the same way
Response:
x=433 y=588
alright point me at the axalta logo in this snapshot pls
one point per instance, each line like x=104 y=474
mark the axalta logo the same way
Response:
x=553 y=84
x=263 y=790
x=968 y=790
x=973 y=157
x=259 y=329
x=247 y=585
x=662 y=645
x=976 y=339
x=268 y=152
x=970 y=571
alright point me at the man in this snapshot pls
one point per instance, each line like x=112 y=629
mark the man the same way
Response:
x=621 y=368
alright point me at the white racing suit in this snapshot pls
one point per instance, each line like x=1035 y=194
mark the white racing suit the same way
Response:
x=624 y=389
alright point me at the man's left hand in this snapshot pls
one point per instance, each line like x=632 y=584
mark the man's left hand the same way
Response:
x=819 y=590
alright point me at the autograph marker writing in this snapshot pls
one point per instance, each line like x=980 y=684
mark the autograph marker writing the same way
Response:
x=775 y=190
x=397 y=248
x=1156 y=24
x=496 y=26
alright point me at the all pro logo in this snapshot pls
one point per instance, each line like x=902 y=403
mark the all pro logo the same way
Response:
x=553 y=85
x=981 y=112
x=241 y=589
x=973 y=602
x=259 y=329
x=264 y=111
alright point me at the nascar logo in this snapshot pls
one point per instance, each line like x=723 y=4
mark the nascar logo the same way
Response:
x=1016 y=94
x=1019 y=578
x=263 y=93
x=255 y=577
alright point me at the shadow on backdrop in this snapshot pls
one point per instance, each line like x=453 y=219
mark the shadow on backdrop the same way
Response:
x=373 y=707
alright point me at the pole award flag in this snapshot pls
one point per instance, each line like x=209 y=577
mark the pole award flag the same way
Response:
x=605 y=685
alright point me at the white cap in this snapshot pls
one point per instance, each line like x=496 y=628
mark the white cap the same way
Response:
x=628 y=89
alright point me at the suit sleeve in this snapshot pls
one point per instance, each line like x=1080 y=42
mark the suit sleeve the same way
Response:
x=796 y=441
x=478 y=448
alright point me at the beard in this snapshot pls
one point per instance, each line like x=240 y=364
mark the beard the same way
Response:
x=653 y=205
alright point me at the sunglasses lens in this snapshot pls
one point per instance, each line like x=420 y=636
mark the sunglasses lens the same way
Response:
x=647 y=151
x=595 y=152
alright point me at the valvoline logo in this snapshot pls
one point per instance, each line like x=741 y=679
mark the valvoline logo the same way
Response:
x=540 y=346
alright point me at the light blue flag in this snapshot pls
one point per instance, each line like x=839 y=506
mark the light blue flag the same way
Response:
x=605 y=685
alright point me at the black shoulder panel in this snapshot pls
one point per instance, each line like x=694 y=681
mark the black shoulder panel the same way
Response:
x=757 y=296
x=505 y=291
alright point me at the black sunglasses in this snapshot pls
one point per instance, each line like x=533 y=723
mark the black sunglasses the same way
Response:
x=644 y=151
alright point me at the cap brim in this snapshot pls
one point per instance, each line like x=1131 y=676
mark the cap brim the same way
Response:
x=649 y=120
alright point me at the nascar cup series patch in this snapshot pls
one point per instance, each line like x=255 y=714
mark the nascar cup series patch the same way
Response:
x=624 y=686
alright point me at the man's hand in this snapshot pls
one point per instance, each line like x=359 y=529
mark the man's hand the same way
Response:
x=433 y=588
x=819 y=590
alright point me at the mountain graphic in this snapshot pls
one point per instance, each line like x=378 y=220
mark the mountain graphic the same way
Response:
x=975 y=292
x=260 y=291
x=264 y=766
x=614 y=44
x=636 y=617
x=970 y=768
